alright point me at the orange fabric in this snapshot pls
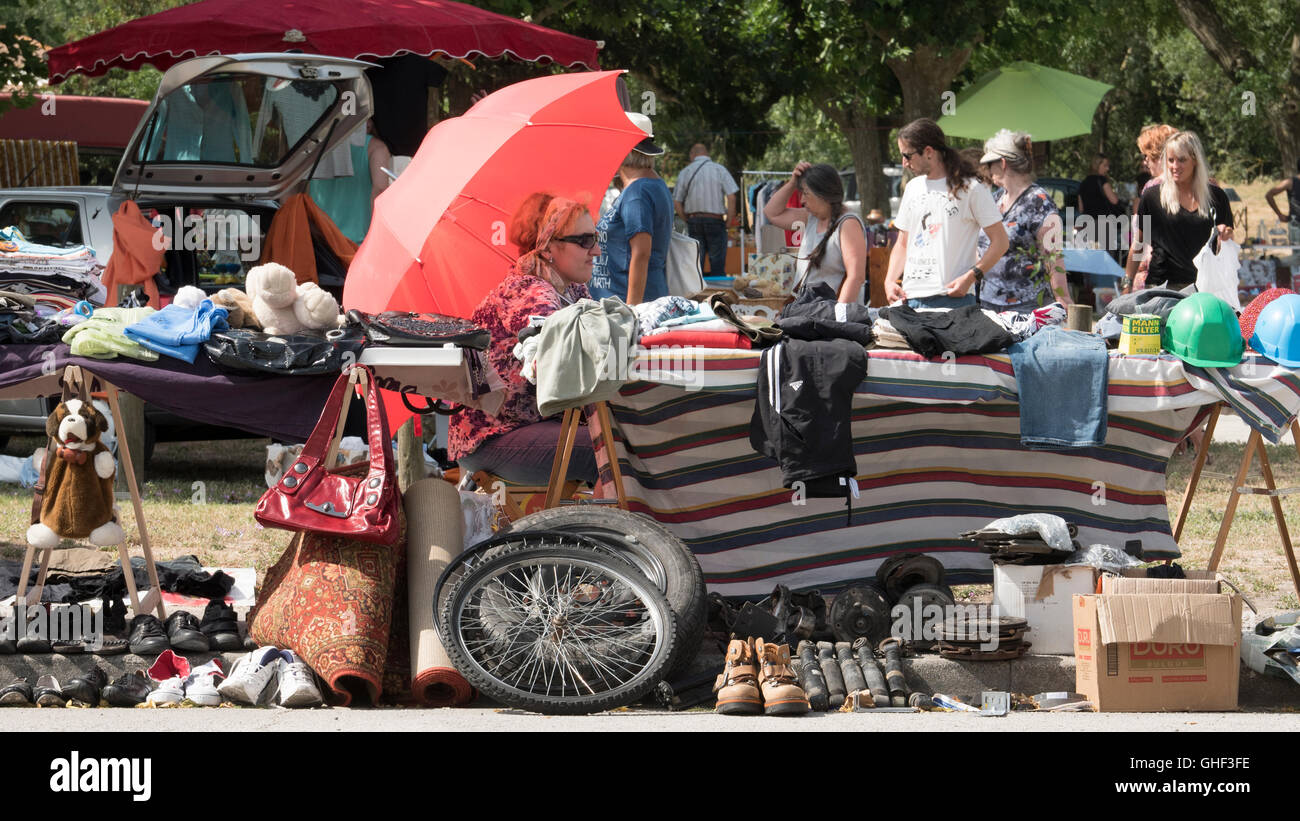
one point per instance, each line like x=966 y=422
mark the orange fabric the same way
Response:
x=135 y=260
x=288 y=242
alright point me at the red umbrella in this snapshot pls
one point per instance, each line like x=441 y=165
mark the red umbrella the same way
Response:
x=338 y=28
x=437 y=240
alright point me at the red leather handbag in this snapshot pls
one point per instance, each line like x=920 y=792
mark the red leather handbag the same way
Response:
x=357 y=501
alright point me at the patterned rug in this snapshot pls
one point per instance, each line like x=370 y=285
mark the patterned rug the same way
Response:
x=332 y=601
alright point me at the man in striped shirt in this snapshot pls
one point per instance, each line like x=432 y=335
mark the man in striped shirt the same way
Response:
x=705 y=196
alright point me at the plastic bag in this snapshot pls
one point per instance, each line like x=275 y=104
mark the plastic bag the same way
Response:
x=480 y=516
x=1053 y=529
x=1217 y=273
x=1103 y=557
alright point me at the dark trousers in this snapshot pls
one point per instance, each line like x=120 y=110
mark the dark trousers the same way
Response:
x=712 y=234
x=524 y=455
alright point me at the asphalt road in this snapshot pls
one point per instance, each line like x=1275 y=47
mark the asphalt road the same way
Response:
x=231 y=719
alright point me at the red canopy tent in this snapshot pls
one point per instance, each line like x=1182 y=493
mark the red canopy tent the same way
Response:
x=92 y=122
x=339 y=28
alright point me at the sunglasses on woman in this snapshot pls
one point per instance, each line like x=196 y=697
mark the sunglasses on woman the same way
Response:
x=586 y=241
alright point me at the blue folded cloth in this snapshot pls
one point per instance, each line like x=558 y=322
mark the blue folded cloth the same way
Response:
x=1062 y=377
x=177 y=332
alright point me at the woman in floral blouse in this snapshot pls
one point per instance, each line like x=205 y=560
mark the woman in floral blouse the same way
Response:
x=558 y=241
x=1031 y=273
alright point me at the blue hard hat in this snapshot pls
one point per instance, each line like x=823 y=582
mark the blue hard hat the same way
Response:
x=1277 y=331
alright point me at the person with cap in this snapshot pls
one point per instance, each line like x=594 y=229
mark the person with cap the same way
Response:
x=1031 y=273
x=636 y=232
x=705 y=196
x=934 y=263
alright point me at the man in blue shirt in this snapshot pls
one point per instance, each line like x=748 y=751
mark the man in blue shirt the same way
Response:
x=635 y=234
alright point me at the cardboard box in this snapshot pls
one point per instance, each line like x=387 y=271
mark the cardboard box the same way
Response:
x=1044 y=596
x=1153 y=645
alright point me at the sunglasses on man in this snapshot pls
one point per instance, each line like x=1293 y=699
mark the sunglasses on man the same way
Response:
x=585 y=241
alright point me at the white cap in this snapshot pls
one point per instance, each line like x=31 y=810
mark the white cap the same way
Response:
x=646 y=146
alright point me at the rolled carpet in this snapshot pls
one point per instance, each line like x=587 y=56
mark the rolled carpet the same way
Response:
x=435 y=536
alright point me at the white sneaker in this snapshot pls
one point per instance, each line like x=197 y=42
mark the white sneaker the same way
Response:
x=170 y=691
x=170 y=672
x=250 y=675
x=296 y=683
x=200 y=686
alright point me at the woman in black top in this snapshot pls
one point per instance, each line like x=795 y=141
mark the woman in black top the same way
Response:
x=1096 y=197
x=1177 y=217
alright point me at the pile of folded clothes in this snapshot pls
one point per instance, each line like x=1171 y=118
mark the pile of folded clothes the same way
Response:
x=55 y=276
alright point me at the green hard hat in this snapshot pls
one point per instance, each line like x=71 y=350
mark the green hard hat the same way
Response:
x=1202 y=330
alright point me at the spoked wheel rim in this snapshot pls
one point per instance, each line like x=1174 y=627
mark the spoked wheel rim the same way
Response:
x=560 y=627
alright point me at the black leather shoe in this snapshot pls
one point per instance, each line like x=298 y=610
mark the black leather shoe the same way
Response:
x=87 y=688
x=129 y=690
x=221 y=626
x=18 y=694
x=147 y=636
x=183 y=633
x=48 y=693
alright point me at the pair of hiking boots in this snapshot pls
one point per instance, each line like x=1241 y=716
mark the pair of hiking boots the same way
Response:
x=758 y=679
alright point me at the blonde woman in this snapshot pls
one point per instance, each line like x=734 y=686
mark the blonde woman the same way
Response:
x=1176 y=217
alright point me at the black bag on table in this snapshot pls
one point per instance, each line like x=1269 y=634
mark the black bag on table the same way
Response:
x=305 y=354
x=409 y=329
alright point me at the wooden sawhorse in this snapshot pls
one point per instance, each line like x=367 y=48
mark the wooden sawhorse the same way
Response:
x=73 y=376
x=556 y=487
x=1270 y=489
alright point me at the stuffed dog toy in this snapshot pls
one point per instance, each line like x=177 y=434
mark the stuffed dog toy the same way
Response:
x=78 y=501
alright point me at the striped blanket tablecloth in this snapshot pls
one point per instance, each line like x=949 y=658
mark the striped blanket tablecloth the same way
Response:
x=938 y=453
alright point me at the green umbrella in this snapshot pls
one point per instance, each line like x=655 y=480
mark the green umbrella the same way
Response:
x=1045 y=103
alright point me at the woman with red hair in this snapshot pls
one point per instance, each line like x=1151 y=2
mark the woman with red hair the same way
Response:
x=557 y=241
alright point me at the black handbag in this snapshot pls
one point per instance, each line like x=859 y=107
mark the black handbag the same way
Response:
x=306 y=354
x=409 y=329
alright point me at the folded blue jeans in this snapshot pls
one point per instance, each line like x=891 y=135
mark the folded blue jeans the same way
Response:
x=1062 y=377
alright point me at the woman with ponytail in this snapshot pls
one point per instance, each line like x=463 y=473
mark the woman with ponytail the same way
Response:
x=834 y=245
x=557 y=242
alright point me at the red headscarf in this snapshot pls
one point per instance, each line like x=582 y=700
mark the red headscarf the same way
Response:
x=559 y=212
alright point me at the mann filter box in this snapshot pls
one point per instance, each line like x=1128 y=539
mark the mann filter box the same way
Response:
x=1141 y=335
x=1152 y=645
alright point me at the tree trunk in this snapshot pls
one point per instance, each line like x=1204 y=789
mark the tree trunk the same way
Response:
x=862 y=131
x=1285 y=119
x=925 y=75
x=1203 y=19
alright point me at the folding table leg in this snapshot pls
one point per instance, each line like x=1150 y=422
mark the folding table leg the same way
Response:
x=560 y=468
x=33 y=596
x=1235 y=496
x=1279 y=516
x=1195 y=478
x=154 y=598
x=607 y=437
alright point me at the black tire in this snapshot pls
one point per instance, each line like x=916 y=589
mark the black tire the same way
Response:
x=631 y=636
x=654 y=550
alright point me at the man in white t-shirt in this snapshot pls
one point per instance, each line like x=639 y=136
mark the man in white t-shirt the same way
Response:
x=936 y=261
